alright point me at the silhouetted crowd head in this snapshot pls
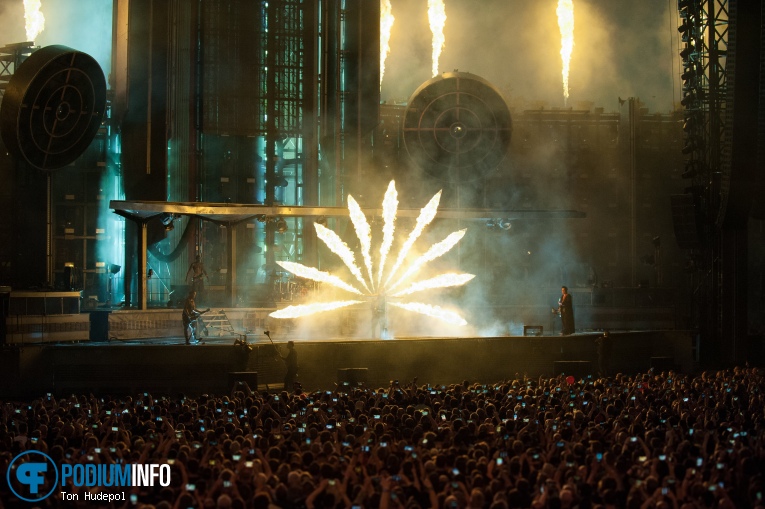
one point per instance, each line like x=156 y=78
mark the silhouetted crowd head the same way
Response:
x=654 y=440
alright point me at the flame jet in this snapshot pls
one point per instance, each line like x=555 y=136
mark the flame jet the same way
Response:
x=565 y=13
x=35 y=21
x=386 y=26
x=437 y=19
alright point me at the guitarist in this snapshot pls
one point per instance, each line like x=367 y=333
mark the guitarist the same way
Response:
x=190 y=316
x=198 y=275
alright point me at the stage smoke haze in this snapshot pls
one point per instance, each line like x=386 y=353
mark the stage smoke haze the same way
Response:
x=621 y=50
x=83 y=25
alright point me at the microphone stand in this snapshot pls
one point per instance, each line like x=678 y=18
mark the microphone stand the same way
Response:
x=268 y=335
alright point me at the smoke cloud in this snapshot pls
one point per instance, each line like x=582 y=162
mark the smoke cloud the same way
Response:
x=621 y=49
x=84 y=25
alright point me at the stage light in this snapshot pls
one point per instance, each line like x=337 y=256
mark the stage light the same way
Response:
x=168 y=220
x=688 y=99
x=261 y=218
x=281 y=225
x=687 y=51
x=322 y=220
x=114 y=269
x=691 y=73
x=505 y=224
x=280 y=182
x=684 y=27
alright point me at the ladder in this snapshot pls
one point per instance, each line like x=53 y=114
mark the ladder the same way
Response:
x=219 y=321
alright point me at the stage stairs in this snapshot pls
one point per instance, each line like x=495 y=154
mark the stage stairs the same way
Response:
x=219 y=321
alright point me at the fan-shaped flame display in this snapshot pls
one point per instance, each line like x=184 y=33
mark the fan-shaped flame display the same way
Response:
x=390 y=207
x=386 y=25
x=35 y=21
x=364 y=232
x=431 y=254
x=426 y=216
x=379 y=295
x=437 y=19
x=566 y=24
x=432 y=311
x=442 y=281
x=341 y=249
x=316 y=275
x=309 y=309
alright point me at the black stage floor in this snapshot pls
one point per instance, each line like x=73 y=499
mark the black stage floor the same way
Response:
x=167 y=365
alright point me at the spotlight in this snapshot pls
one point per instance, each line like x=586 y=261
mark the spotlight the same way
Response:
x=281 y=225
x=167 y=221
x=684 y=27
x=261 y=218
x=691 y=73
x=114 y=269
x=687 y=51
x=505 y=224
x=688 y=99
x=280 y=182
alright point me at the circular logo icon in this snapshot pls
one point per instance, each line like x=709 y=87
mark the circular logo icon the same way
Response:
x=27 y=478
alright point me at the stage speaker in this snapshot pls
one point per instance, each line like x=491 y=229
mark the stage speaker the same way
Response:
x=533 y=330
x=663 y=363
x=685 y=221
x=249 y=377
x=99 y=326
x=352 y=376
x=577 y=369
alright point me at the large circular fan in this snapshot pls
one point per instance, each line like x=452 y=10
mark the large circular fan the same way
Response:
x=457 y=127
x=53 y=106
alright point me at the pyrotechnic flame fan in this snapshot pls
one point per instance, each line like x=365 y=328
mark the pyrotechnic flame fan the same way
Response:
x=52 y=107
x=457 y=127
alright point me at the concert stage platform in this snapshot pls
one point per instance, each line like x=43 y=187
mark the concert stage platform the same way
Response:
x=167 y=365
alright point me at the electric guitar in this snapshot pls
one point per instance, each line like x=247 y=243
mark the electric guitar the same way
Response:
x=195 y=314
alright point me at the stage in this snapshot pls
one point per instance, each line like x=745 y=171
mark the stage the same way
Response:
x=166 y=365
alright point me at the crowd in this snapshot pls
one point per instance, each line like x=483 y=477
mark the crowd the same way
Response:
x=655 y=440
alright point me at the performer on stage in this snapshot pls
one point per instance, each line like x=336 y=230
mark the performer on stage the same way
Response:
x=198 y=275
x=566 y=310
x=190 y=316
x=292 y=366
x=380 y=318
